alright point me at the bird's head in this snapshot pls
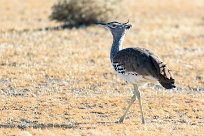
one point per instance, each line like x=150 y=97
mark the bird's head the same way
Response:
x=116 y=27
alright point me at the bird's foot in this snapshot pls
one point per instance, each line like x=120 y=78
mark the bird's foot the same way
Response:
x=121 y=119
x=143 y=121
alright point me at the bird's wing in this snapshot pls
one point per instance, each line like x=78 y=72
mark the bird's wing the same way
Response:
x=145 y=63
x=134 y=60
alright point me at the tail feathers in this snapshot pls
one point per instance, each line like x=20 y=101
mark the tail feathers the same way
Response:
x=163 y=73
x=167 y=85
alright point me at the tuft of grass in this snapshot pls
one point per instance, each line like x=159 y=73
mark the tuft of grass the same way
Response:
x=86 y=12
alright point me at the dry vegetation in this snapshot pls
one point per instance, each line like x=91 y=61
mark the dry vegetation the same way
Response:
x=86 y=12
x=60 y=82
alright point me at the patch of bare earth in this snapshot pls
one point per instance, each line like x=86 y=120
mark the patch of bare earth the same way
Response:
x=61 y=82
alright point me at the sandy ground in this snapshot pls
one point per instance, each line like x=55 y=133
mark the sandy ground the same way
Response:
x=61 y=82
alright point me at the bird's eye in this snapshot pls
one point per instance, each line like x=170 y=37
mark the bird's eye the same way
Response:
x=113 y=25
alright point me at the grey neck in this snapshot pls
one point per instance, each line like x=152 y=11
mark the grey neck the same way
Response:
x=117 y=44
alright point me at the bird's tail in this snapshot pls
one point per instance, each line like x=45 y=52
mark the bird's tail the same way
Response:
x=163 y=73
x=168 y=85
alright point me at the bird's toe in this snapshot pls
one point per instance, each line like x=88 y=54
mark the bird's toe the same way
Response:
x=121 y=120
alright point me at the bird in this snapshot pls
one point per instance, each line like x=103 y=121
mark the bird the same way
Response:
x=136 y=66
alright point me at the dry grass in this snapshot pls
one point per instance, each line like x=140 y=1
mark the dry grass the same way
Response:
x=86 y=12
x=60 y=82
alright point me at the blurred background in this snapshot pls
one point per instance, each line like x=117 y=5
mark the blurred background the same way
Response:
x=56 y=77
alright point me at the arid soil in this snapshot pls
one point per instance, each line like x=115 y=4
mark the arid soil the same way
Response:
x=61 y=82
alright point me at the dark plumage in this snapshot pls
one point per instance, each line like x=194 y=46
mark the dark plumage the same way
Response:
x=136 y=65
x=145 y=63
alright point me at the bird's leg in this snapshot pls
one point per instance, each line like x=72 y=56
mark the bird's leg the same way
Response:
x=131 y=102
x=140 y=103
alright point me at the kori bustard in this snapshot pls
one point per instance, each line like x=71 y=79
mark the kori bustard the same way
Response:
x=136 y=65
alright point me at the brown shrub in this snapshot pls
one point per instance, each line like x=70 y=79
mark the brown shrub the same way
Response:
x=77 y=12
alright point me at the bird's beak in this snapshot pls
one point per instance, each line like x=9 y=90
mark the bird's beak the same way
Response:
x=103 y=24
